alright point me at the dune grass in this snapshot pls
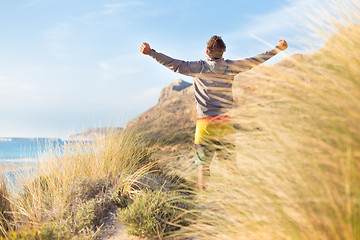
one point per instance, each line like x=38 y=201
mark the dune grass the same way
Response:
x=75 y=189
x=82 y=187
x=297 y=173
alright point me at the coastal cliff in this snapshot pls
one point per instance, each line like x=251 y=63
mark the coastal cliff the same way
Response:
x=174 y=114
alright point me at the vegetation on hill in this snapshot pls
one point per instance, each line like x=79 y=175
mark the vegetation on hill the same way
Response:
x=78 y=191
x=296 y=175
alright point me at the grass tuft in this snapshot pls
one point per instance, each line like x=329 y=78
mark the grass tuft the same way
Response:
x=155 y=214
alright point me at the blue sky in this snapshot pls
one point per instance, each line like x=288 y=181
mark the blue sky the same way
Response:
x=70 y=64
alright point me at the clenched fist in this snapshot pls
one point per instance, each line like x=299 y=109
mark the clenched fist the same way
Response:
x=145 y=48
x=282 y=45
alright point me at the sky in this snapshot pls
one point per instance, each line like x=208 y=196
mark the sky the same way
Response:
x=66 y=65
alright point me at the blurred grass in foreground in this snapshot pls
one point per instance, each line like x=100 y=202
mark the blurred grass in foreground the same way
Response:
x=297 y=174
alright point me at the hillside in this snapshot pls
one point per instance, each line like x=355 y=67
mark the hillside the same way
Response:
x=90 y=134
x=173 y=118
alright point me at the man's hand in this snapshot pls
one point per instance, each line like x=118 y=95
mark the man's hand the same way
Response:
x=282 y=45
x=145 y=48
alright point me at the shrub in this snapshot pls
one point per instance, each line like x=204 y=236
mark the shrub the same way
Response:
x=155 y=214
x=47 y=232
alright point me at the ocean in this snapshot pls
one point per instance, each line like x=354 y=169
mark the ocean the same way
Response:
x=22 y=154
x=24 y=150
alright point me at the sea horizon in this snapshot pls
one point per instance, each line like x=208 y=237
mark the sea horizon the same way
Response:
x=21 y=156
x=24 y=151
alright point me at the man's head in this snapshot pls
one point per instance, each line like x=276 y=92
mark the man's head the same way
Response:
x=215 y=47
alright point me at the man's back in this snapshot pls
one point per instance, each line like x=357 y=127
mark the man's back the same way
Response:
x=213 y=88
x=213 y=79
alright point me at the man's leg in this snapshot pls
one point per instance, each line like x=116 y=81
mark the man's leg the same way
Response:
x=203 y=156
x=202 y=159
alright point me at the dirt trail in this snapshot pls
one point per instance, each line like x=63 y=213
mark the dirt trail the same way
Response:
x=118 y=233
x=114 y=230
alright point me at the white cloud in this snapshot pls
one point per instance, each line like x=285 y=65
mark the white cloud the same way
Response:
x=15 y=89
x=291 y=21
x=118 y=67
x=123 y=5
x=105 y=66
x=306 y=24
x=114 y=7
x=146 y=97
x=32 y=3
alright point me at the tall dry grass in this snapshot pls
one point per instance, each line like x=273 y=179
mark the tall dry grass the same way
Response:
x=80 y=180
x=297 y=170
x=297 y=174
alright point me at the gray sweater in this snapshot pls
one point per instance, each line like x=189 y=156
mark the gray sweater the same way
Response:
x=213 y=79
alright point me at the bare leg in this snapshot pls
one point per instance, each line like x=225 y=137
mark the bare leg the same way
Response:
x=203 y=173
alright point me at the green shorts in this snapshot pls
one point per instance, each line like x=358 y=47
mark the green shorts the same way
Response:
x=214 y=135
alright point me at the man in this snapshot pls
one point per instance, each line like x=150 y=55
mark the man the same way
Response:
x=213 y=80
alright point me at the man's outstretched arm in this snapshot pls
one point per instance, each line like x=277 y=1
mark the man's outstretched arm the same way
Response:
x=248 y=63
x=179 y=66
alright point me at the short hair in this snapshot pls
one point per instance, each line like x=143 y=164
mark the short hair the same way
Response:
x=216 y=43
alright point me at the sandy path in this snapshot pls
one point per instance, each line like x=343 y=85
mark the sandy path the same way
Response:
x=119 y=234
x=114 y=230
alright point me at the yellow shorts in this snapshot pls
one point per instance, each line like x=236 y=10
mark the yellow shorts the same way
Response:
x=214 y=135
